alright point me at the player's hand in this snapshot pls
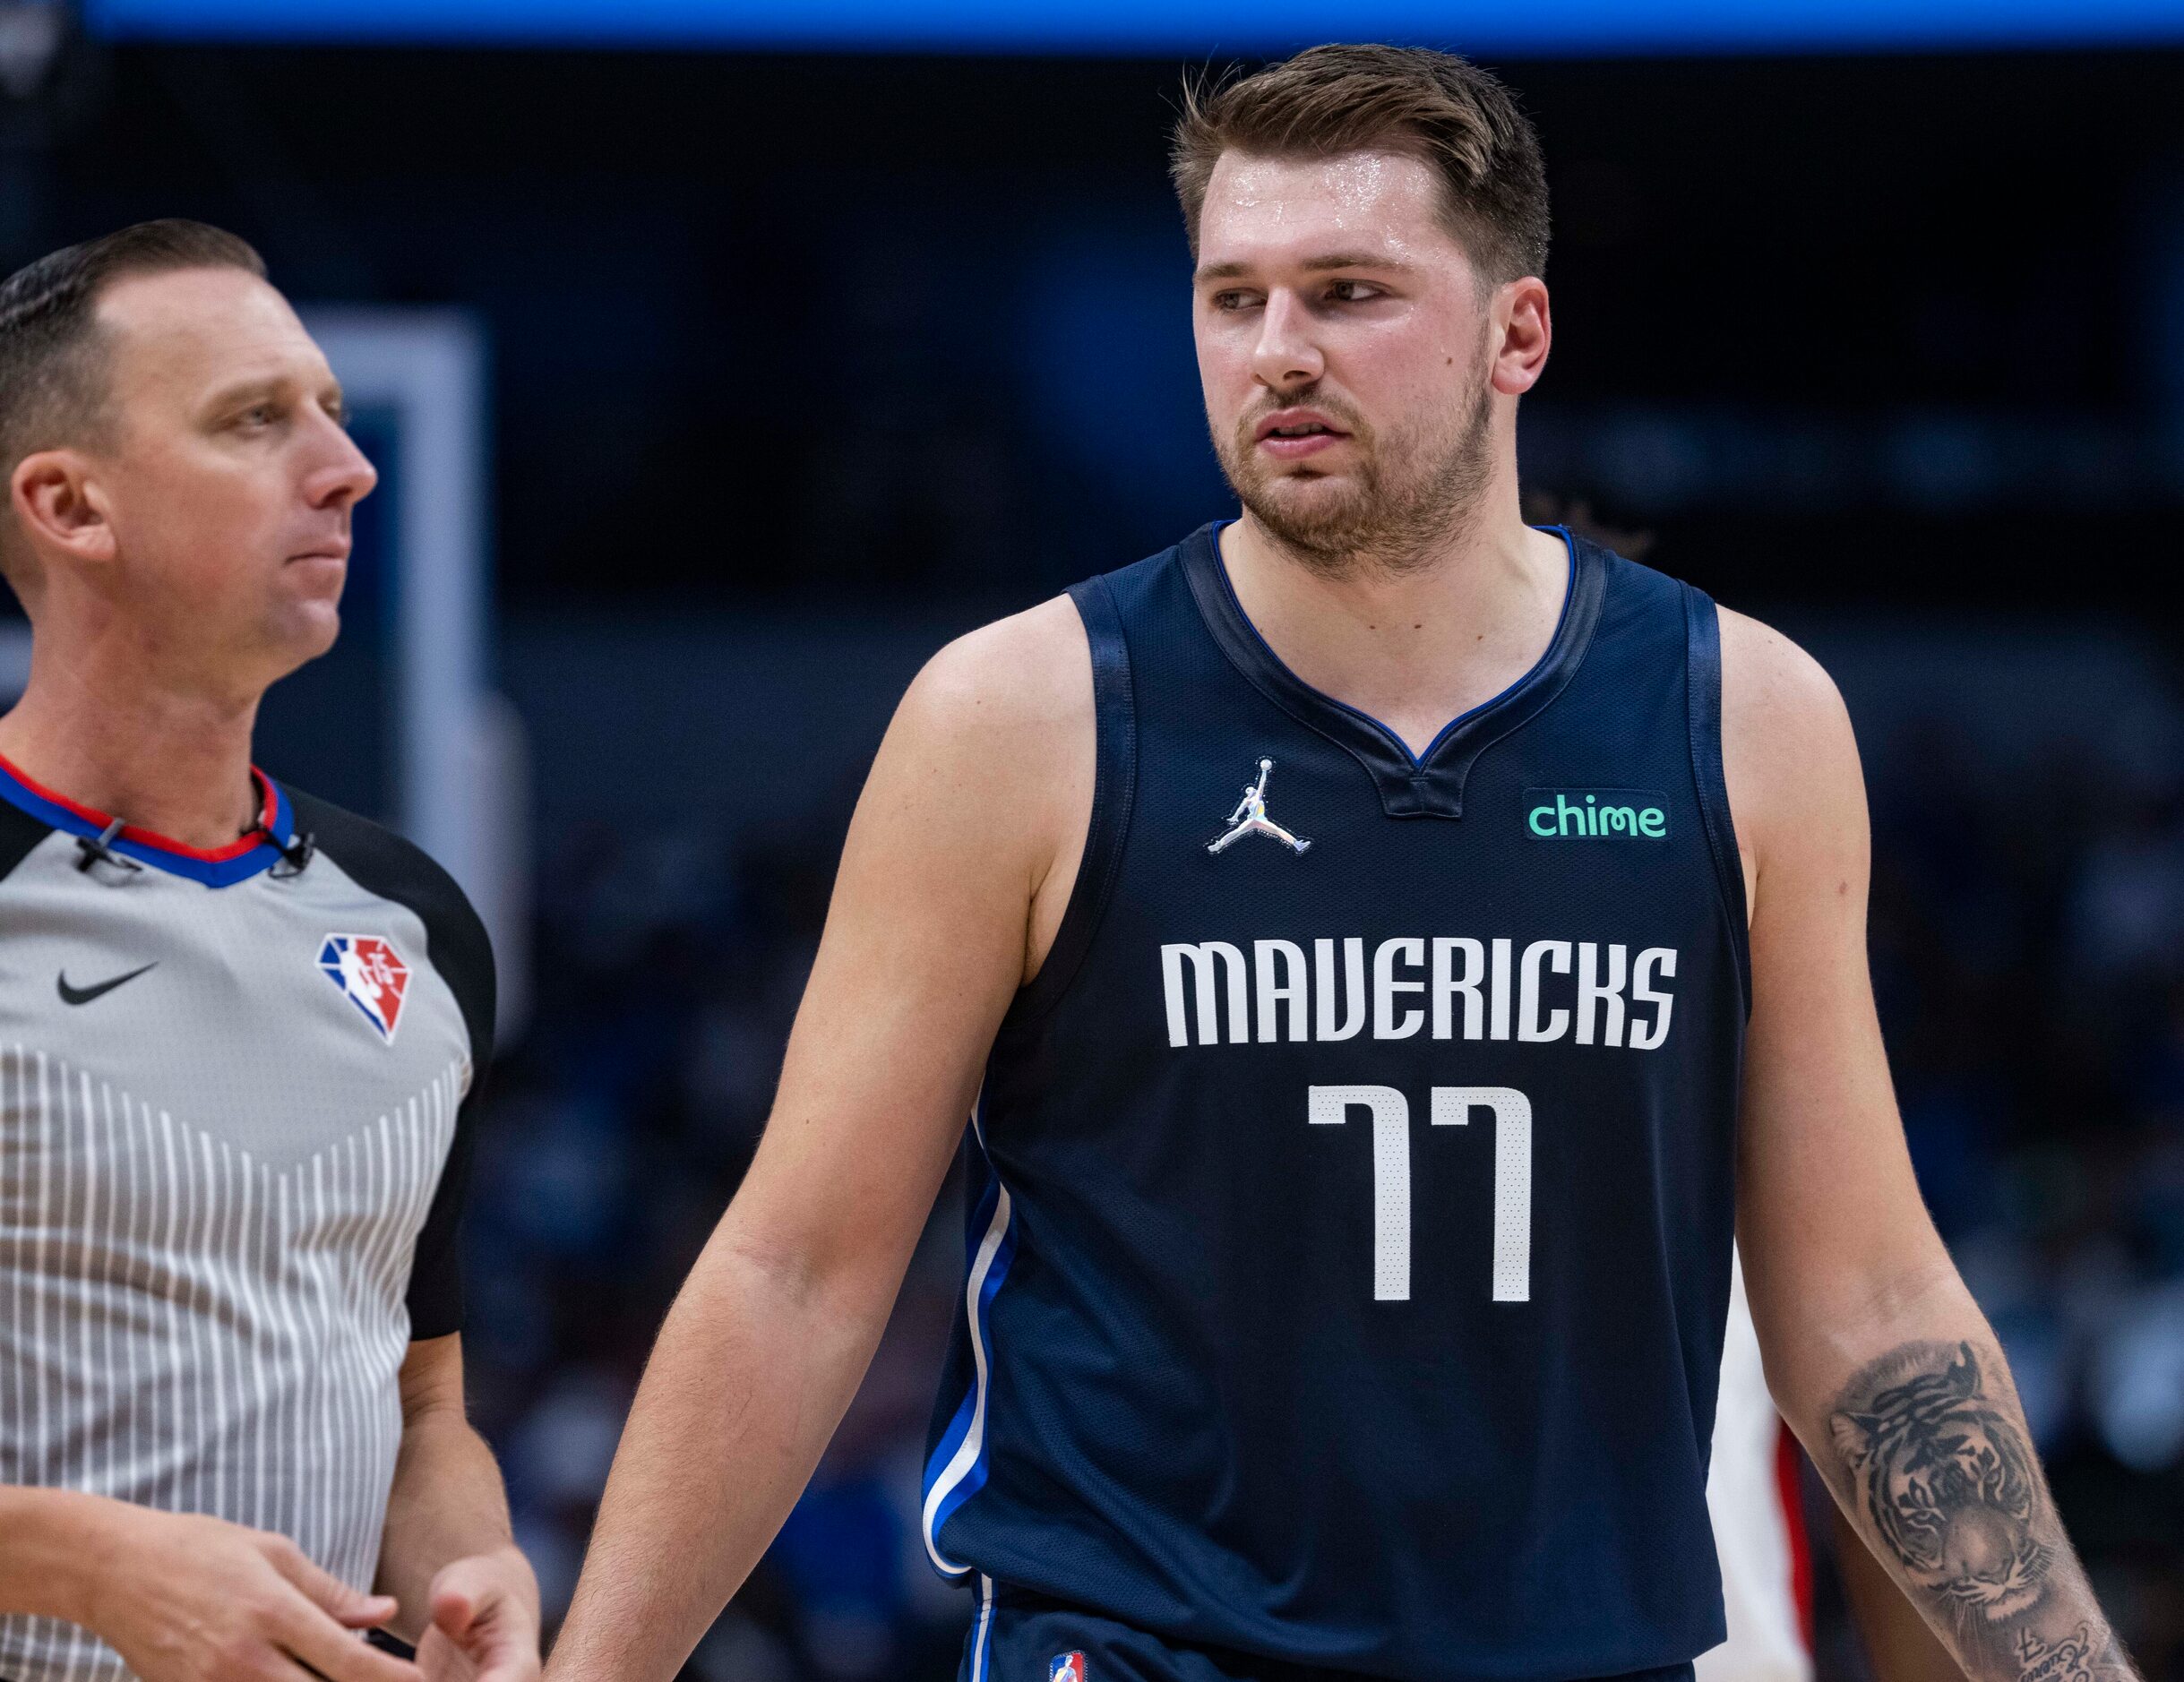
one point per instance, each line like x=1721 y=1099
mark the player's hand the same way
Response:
x=485 y=1621
x=190 y=1599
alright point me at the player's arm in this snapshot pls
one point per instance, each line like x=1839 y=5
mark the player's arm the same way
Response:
x=1898 y=1645
x=1875 y=1351
x=448 y=1553
x=962 y=821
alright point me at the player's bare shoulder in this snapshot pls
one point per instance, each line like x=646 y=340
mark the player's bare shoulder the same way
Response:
x=1010 y=701
x=1796 y=792
x=1031 y=672
x=996 y=739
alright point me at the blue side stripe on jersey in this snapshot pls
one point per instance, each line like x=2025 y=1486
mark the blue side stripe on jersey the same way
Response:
x=974 y=1478
x=957 y=1468
x=951 y=1439
x=979 y=1218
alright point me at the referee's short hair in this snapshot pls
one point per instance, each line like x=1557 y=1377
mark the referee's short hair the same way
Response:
x=53 y=388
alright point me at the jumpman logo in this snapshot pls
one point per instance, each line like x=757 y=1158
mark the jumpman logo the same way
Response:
x=1249 y=818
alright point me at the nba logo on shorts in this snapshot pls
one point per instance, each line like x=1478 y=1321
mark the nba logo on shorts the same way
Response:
x=1069 y=1668
x=371 y=972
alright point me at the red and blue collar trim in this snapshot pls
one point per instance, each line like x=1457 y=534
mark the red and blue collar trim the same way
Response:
x=221 y=867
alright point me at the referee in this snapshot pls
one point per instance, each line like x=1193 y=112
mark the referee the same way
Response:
x=238 y=1032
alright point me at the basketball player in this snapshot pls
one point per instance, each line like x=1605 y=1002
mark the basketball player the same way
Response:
x=236 y=1030
x=1349 y=1228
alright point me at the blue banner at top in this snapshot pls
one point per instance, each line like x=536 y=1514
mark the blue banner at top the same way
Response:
x=1546 y=27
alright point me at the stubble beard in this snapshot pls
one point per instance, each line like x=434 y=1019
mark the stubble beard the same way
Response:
x=1410 y=499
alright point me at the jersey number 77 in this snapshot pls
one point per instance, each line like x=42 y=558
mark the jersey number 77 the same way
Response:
x=1329 y=1106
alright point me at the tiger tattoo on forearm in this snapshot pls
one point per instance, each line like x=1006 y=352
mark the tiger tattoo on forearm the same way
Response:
x=1943 y=1473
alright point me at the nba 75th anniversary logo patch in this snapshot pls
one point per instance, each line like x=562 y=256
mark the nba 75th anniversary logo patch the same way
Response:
x=371 y=972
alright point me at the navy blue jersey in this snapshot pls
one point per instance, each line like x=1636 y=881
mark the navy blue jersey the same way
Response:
x=1350 y=1194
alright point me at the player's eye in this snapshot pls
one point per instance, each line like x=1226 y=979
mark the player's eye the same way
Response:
x=1352 y=291
x=1234 y=300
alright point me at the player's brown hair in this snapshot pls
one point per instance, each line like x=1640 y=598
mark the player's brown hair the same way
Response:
x=1434 y=105
x=53 y=387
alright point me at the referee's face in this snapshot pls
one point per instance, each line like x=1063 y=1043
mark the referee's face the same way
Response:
x=229 y=474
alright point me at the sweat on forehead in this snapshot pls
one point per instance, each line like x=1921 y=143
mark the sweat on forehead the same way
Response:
x=1383 y=206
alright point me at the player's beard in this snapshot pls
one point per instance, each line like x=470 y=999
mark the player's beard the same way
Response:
x=1409 y=496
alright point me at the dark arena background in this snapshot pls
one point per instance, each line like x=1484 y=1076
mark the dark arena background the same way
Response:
x=774 y=355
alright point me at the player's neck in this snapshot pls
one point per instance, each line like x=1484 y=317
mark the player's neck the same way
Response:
x=1417 y=646
x=168 y=755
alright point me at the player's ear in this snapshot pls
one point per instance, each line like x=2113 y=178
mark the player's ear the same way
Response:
x=1523 y=332
x=61 y=508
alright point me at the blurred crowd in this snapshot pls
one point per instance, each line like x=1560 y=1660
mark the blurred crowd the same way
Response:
x=2028 y=946
x=2028 y=950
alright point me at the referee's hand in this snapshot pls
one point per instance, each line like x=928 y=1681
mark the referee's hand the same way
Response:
x=190 y=1598
x=485 y=1621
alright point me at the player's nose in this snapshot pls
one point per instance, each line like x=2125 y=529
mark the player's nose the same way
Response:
x=1287 y=354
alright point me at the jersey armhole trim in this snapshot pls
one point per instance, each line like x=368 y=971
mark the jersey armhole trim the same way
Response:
x=1115 y=786
x=1703 y=684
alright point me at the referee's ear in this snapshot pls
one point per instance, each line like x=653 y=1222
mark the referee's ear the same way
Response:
x=61 y=509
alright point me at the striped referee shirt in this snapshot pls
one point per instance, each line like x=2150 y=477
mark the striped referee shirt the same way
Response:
x=233 y=1093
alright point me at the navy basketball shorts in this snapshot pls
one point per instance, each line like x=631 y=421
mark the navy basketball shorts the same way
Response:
x=1028 y=1637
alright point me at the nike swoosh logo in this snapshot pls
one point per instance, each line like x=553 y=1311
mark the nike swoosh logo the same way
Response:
x=84 y=995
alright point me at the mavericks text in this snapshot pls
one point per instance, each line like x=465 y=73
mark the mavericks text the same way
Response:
x=1446 y=986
